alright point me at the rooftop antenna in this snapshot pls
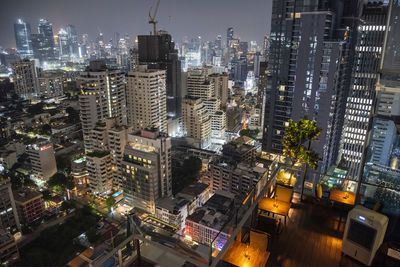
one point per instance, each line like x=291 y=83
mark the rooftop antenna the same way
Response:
x=152 y=19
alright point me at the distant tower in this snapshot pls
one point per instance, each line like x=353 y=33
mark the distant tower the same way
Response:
x=229 y=35
x=23 y=40
x=45 y=29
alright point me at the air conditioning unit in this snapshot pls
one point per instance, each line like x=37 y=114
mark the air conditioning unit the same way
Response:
x=363 y=234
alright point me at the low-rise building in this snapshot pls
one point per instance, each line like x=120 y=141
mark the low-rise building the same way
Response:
x=30 y=205
x=100 y=172
x=173 y=211
x=197 y=194
x=211 y=220
x=240 y=152
x=43 y=160
x=238 y=179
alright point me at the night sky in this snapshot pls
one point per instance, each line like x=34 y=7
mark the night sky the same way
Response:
x=207 y=18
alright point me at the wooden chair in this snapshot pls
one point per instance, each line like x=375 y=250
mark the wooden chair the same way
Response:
x=283 y=193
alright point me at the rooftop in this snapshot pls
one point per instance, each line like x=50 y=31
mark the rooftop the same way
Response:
x=173 y=205
x=98 y=153
x=194 y=189
x=25 y=194
x=216 y=211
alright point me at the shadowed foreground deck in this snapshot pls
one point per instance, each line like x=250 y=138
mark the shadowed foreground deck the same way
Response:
x=310 y=238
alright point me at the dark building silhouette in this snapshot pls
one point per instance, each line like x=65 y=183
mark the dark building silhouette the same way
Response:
x=158 y=52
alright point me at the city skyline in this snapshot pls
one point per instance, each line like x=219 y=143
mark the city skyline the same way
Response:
x=132 y=18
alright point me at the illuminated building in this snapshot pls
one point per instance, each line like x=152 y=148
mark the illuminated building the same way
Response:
x=229 y=35
x=111 y=136
x=45 y=28
x=43 y=42
x=173 y=211
x=197 y=194
x=51 y=84
x=23 y=40
x=158 y=52
x=42 y=160
x=100 y=172
x=72 y=41
x=146 y=169
x=221 y=89
x=196 y=122
x=309 y=71
x=208 y=221
x=231 y=177
x=198 y=83
x=63 y=45
x=361 y=98
x=79 y=173
x=102 y=96
x=30 y=205
x=9 y=220
x=25 y=78
x=146 y=99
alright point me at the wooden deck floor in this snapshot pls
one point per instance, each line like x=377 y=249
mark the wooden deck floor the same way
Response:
x=310 y=238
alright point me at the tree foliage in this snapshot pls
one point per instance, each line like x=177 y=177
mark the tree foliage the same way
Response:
x=185 y=173
x=60 y=182
x=110 y=202
x=250 y=133
x=296 y=135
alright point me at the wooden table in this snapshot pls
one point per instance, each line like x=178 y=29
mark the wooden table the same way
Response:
x=342 y=197
x=274 y=206
x=346 y=198
x=240 y=254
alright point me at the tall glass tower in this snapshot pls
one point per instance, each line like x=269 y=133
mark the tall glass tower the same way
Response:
x=45 y=29
x=23 y=40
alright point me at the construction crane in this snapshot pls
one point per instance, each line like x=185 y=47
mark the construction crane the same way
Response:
x=152 y=19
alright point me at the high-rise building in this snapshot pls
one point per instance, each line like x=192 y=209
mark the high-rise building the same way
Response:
x=42 y=160
x=199 y=84
x=158 y=52
x=146 y=169
x=146 y=99
x=361 y=97
x=111 y=136
x=47 y=49
x=72 y=41
x=23 y=40
x=196 y=121
x=102 y=96
x=9 y=220
x=229 y=35
x=63 y=45
x=25 y=78
x=384 y=130
x=221 y=88
x=308 y=70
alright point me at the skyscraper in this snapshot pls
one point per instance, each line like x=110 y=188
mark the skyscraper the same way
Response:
x=158 y=52
x=23 y=40
x=229 y=35
x=146 y=99
x=45 y=29
x=311 y=48
x=102 y=96
x=361 y=97
x=72 y=41
x=63 y=45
